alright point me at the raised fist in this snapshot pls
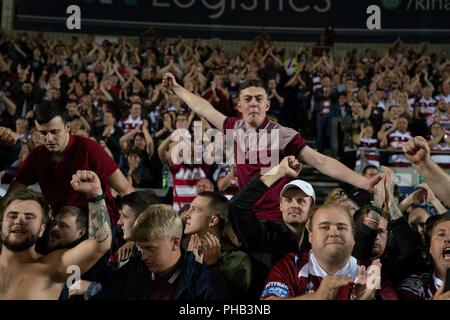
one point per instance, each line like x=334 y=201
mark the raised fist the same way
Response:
x=86 y=182
x=169 y=82
x=416 y=150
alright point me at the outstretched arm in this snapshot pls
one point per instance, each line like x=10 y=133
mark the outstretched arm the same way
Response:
x=199 y=105
x=333 y=168
x=418 y=152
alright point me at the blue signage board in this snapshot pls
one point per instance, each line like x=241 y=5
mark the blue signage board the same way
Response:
x=240 y=17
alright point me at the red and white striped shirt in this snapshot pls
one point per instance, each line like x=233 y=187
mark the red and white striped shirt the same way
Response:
x=316 y=81
x=185 y=178
x=443 y=160
x=369 y=147
x=130 y=123
x=427 y=108
x=441 y=96
x=397 y=140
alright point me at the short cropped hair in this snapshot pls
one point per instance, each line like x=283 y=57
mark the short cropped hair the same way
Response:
x=24 y=195
x=44 y=112
x=432 y=222
x=81 y=216
x=218 y=205
x=157 y=221
x=368 y=167
x=253 y=83
x=138 y=201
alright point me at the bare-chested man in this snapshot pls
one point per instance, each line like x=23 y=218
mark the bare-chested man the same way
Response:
x=25 y=274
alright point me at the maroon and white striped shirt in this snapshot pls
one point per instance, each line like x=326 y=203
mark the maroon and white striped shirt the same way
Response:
x=419 y=287
x=130 y=123
x=441 y=96
x=427 y=108
x=185 y=178
x=397 y=140
x=300 y=274
x=369 y=147
x=443 y=160
x=254 y=153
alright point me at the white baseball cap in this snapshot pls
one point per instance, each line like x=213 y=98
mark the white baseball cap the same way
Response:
x=302 y=185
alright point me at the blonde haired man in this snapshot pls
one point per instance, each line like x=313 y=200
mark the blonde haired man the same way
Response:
x=164 y=271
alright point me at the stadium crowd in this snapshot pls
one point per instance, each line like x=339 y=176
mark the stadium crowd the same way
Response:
x=98 y=125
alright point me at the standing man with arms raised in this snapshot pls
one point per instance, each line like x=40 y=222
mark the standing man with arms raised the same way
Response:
x=254 y=104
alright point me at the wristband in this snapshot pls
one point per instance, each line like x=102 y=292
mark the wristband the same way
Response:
x=97 y=198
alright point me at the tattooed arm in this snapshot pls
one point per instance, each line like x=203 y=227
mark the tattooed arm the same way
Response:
x=88 y=252
x=392 y=205
x=405 y=257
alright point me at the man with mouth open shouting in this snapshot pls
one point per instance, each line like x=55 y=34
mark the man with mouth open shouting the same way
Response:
x=254 y=104
x=428 y=286
x=27 y=275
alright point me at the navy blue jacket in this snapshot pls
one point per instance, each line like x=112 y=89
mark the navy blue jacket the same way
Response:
x=196 y=281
